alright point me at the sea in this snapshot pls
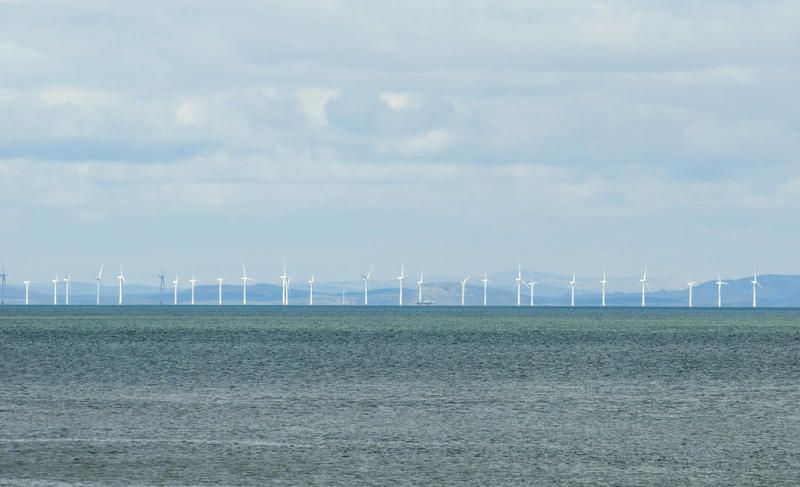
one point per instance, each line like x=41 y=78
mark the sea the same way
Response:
x=246 y=396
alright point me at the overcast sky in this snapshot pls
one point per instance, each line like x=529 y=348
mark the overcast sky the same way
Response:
x=454 y=136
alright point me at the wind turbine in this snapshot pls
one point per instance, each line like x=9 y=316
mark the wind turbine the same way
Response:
x=175 y=290
x=344 y=283
x=55 y=290
x=603 y=290
x=366 y=284
x=531 y=285
x=99 y=276
x=755 y=283
x=691 y=284
x=66 y=282
x=162 y=286
x=219 y=282
x=643 y=280
x=572 y=290
x=485 y=281
x=311 y=290
x=3 y=285
x=519 y=282
x=193 y=281
x=121 y=278
x=284 y=284
x=720 y=282
x=27 y=287
x=463 y=288
x=419 y=284
x=245 y=278
x=401 y=278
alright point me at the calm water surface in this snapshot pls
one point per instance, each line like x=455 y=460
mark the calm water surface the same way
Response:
x=389 y=396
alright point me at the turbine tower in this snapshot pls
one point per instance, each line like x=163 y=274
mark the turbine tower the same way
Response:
x=643 y=280
x=463 y=288
x=162 y=287
x=311 y=290
x=401 y=278
x=691 y=284
x=98 y=278
x=720 y=283
x=755 y=283
x=284 y=284
x=219 y=283
x=485 y=281
x=66 y=283
x=343 y=283
x=121 y=278
x=603 y=290
x=366 y=285
x=3 y=277
x=175 y=290
x=531 y=285
x=572 y=290
x=27 y=287
x=419 y=284
x=245 y=278
x=193 y=281
x=519 y=283
x=55 y=290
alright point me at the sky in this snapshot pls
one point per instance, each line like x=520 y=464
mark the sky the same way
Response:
x=457 y=137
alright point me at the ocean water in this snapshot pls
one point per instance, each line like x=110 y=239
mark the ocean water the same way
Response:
x=389 y=396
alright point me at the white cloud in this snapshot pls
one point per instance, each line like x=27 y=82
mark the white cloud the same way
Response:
x=397 y=101
x=577 y=116
x=313 y=101
x=189 y=113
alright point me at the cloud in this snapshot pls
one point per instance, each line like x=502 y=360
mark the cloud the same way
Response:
x=652 y=119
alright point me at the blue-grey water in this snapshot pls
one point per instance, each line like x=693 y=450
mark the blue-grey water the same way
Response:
x=390 y=396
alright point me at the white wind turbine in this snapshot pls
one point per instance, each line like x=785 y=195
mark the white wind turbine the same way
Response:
x=531 y=285
x=66 y=287
x=463 y=288
x=284 y=287
x=193 y=281
x=643 y=280
x=27 y=288
x=175 y=290
x=401 y=278
x=485 y=282
x=55 y=290
x=720 y=283
x=219 y=283
x=311 y=290
x=519 y=283
x=245 y=278
x=366 y=285
x=420 y=283
x=691 y=284
x=603 y=290
x=121 y=278
x=98 y=278
x=572 y=290
x=755 y=283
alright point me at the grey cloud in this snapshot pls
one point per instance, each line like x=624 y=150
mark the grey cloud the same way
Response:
x=540 y=112
x=366 y=112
